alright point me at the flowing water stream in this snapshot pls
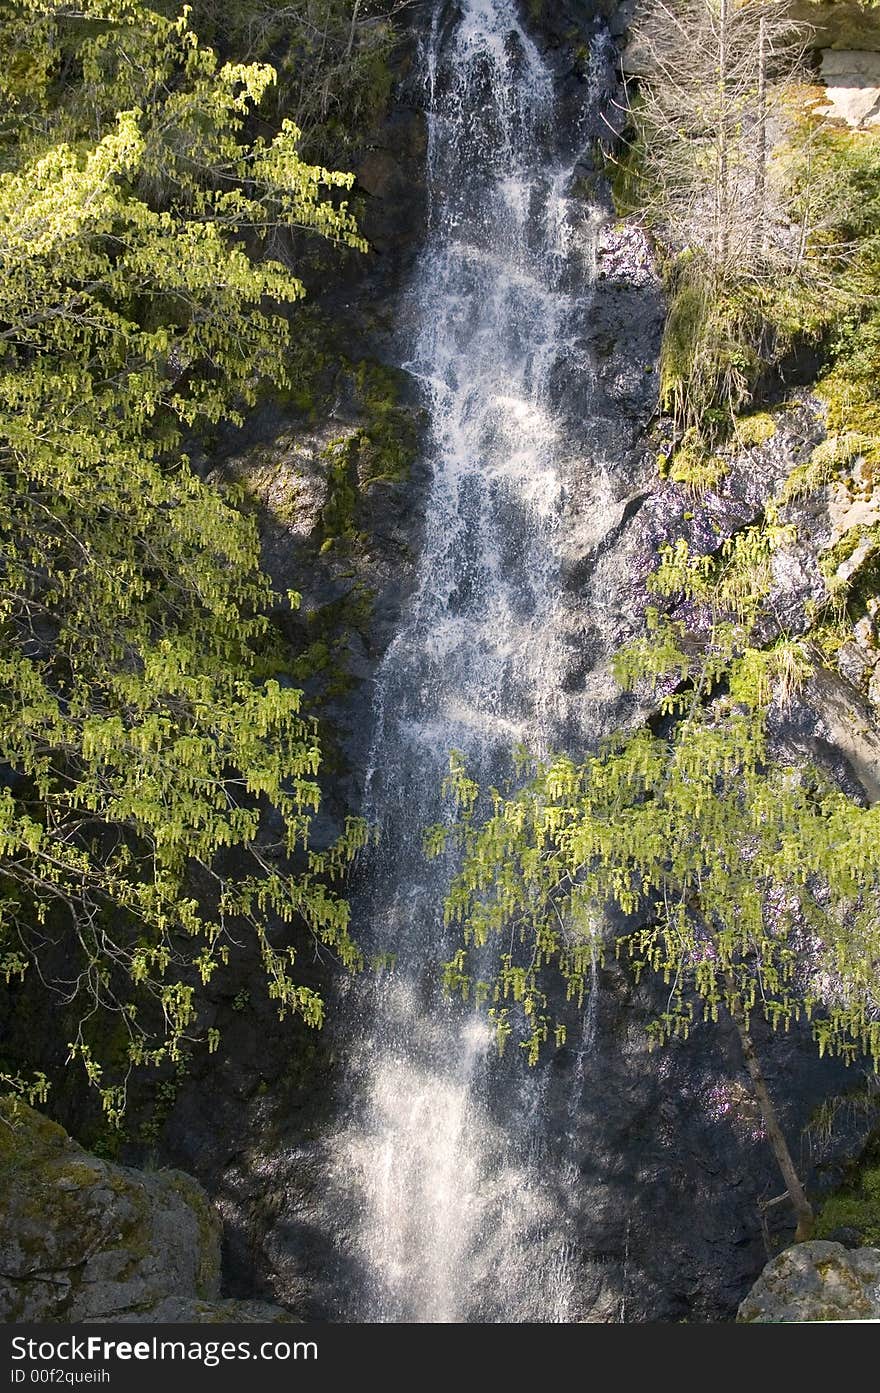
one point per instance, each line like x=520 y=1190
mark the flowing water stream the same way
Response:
x=454 y=1197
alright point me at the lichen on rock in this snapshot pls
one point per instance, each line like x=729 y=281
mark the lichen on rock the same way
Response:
x=85 y=1239
x=816 y=1281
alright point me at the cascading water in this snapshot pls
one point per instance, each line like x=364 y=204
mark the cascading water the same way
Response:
x=452 y=1198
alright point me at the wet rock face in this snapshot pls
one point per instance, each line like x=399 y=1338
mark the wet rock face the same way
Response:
x=816 y=1282
x=672 y=1166
x=391 y=176
x=84 y=1239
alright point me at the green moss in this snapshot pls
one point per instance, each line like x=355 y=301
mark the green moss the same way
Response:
x=27 y=1135
x=625 y=174
x=826 y=460
x=208 y=1224
x=754 y=429
x=844 y=548
x=387 y=443
x=850 y=387
x=695 y=468
x=844 y=24
x=381 y=450
x=852 y=403
x=713 y=349
x=685 y=319
x=338 y=513
x=857 y=1206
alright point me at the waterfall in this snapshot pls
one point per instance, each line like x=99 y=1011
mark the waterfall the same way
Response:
x=454 y=1200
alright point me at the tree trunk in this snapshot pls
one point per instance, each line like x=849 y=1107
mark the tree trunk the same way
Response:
x=352 y=31
x=761 y=154
x=722 y=210
x=802 y=1207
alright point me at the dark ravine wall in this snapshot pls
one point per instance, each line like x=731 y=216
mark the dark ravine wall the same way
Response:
x=672 y=1167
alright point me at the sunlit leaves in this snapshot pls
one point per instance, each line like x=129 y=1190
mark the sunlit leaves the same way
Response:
x=750 y=884
x=146 y=758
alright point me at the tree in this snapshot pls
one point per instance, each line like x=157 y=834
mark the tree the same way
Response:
x=749 y=883
x=331 y=57
x=146 y=742
x=711 y=75
x=720 y=166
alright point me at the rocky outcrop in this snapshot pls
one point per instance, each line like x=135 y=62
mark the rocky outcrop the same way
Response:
x=852 y=80
x=816 y=1282
x=82 y=1239
x=840 y=24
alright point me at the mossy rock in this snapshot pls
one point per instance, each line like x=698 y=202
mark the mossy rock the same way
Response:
x=855 y=1205
x=755 y=429
x=312 y=480
x=82 y=1238
x=840 y=23
x=856 y=1209
x=816 y=1281
x=696 y=469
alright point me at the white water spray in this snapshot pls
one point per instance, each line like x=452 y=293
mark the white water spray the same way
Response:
x=453 y=1201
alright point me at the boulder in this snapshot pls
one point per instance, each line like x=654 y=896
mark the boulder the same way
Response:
x=852 y=80
x=84 y=1239
x=816 y=1281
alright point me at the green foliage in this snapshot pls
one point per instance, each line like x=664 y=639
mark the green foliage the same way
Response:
x=850 y=165
x=694 y=468
x=755 y=429
x=854 y=1207
x=826 y=461
x=140 y=744
x=331 y=56
x=721 y=336
x=743 y=882
x=730 y=327
x=32 y=1090
x=726 y=861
